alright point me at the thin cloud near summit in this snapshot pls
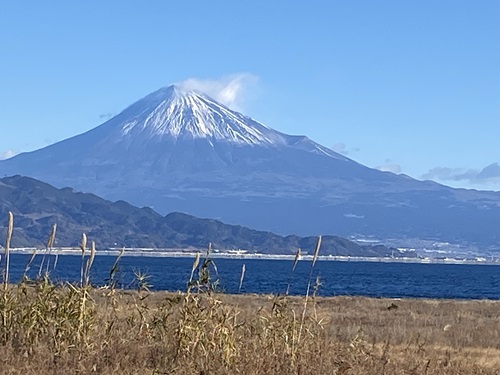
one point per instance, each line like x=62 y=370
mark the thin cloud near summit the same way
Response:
x=229 y=90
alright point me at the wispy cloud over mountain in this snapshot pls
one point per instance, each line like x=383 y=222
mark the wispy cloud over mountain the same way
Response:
x=389 y=166
x=490 y=173
x=230 y=90
x=6 y=154
x=342 y=149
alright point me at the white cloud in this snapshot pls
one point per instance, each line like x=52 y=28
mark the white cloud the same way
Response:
x=6 y=154
x=341 y=148
x=106 y=116
x=490 y=173
x=390 y=167
x=229 y=90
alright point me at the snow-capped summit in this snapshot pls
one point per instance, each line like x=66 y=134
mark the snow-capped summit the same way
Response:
x=172 y=130
x=179 y=113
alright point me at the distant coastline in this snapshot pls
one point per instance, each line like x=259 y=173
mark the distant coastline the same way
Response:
x=191 y=253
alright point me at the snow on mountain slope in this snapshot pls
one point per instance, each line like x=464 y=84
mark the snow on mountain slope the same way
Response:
x=173 y=113
x=190 y=114
x=157 y=129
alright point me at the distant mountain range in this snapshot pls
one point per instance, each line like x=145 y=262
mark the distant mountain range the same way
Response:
x=37 y=206
x=180 y=150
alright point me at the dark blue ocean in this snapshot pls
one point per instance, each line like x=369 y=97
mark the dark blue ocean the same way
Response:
x=272 y=276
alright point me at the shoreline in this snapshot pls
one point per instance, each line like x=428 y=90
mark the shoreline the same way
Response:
x=181 y=253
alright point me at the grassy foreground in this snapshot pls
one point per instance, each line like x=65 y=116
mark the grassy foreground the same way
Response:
x=48 y=328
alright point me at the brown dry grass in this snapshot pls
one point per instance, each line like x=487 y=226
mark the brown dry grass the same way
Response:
x=164 y=333
x=77 y=329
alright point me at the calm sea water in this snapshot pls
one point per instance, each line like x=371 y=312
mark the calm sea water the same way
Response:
x=273 y=276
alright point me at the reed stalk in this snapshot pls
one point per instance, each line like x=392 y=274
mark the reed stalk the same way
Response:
x=89 y=263
x=83 y=246
x=10 y=228
x=193 y=268
x=241 y=277
x=306 y=299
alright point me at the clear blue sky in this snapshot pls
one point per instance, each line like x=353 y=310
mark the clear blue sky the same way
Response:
x=404 y=85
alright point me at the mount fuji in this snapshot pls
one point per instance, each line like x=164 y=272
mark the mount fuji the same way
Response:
x=180 y=150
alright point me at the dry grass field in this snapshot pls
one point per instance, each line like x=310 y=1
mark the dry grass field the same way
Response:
x=48 y=329
x=83 y=329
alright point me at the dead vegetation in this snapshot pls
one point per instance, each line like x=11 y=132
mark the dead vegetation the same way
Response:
x=80 y=329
